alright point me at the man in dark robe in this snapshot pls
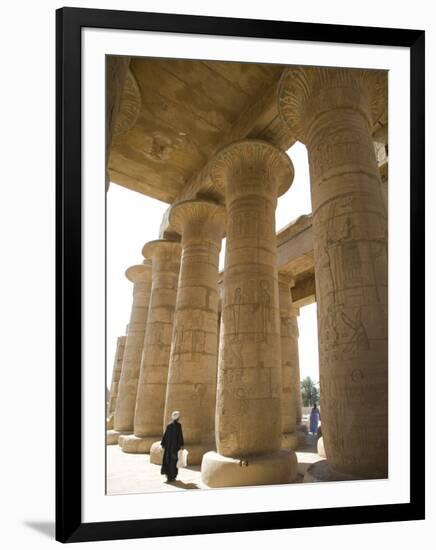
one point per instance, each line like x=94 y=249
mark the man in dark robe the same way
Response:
x=172 y=442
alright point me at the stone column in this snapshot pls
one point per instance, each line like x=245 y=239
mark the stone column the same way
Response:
x=193 y=364
x=252 y=174
x=300 y=427
x=149 y=411
x=116 y=373
x=291 y=439
x=140 y=276
x=332 y=111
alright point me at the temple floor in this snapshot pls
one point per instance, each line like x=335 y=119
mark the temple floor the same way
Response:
x=133 y=473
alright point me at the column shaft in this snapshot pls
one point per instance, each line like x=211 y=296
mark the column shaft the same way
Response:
x=250 y=379
x=350 y=253
x=165 y=256
x=295 y=335
x=128 y=385
x=116 y=374
x=290 y=362
x=249 y=390
x=193 y=364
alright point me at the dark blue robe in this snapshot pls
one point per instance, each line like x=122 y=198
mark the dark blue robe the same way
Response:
x=314 y=420
x=171 y=442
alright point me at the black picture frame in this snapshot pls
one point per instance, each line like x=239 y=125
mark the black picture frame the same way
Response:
x=69 y=22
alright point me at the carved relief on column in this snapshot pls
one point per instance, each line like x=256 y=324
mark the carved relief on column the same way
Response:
x=193 y=364
x=149 y=410
x=290 y=363
x=249 y=391
x=140 y=275
x=295 y=312
x=332 y=112
x=116 y=373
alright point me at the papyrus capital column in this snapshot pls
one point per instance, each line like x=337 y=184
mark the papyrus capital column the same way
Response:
x=248 y=417
x=140 y=276
x=165 y=258
x=192 y=371
x=295 y=312
x=290 y=363
x=332 y=112
x=116 y=374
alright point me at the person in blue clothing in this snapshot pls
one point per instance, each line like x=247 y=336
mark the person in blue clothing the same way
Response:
x=315 y=417
x=172 y=442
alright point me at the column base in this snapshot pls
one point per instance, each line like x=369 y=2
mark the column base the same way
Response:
x=268 y=469
x=112 y=436
x=135 y=444
x=195 y=453
x=320 y=472
x=320 y=447
x=293 y=440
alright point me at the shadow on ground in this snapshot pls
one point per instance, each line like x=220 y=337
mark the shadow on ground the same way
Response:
x=182 y=485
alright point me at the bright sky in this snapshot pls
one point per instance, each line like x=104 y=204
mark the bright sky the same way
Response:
x=134 y=219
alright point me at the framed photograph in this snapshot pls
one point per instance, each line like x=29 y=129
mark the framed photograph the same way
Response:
x=240 y=275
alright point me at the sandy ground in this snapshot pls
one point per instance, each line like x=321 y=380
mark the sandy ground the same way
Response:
x=133 y=473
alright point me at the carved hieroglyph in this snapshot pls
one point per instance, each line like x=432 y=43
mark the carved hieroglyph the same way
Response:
x=140 y=276
x=130 y=106
x=248 y=423
x=289 y=357
x=297 y=380
x=165 y=257
x=116 y=374
x=252 y=173
x=193 y=363
x=332 y=112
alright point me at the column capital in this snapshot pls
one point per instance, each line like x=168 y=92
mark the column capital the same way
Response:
x=286 y=282
x=204 y=214
x=139 y=273
x=252 y=166
x=286 y=279
x=306 y=92
x=160 y=247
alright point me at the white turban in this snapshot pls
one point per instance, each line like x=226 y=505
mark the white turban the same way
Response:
x=175 y=415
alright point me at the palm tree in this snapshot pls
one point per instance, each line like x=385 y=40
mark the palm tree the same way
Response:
x=309 y=391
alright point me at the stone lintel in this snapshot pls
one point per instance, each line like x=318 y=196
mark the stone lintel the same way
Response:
x=287 y=278
x=304 y=293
